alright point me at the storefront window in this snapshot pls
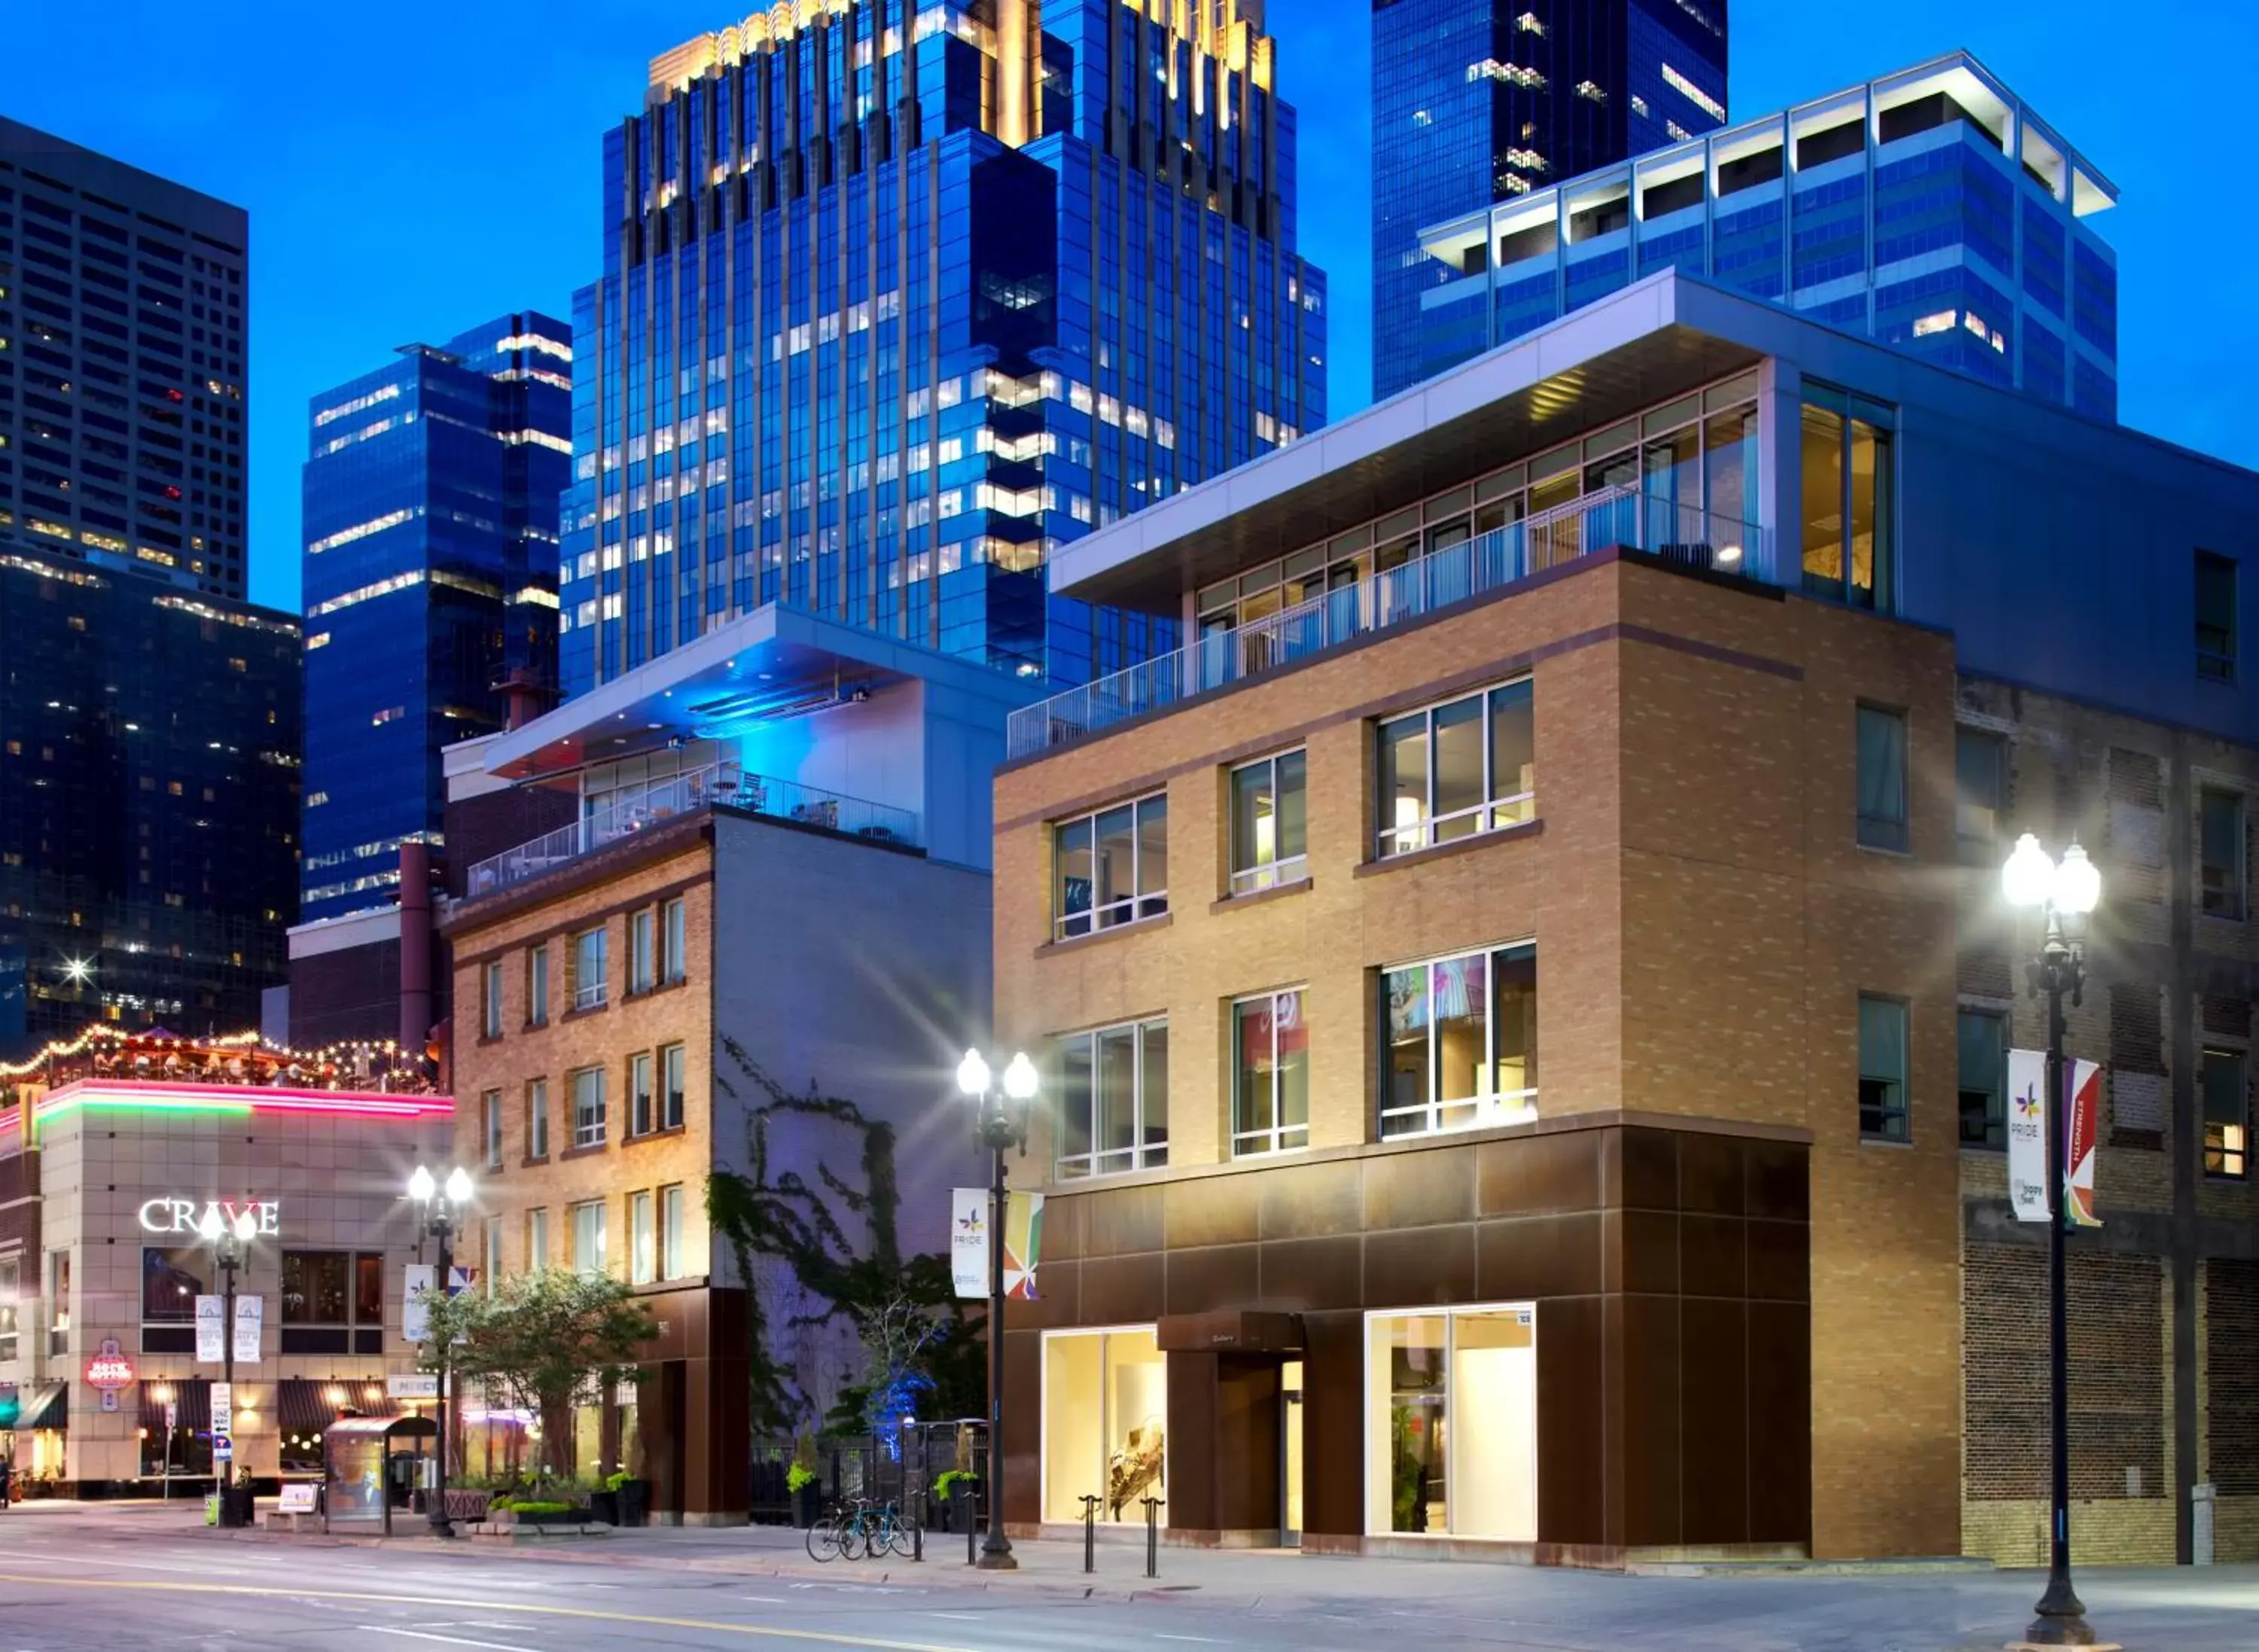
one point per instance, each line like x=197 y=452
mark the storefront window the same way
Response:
x=1451 y=1424
x=1105 y=1417
x=171 y=1281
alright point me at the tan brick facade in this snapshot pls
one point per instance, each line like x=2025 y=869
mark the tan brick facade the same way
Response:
x=627 y=1024
x=1704 y=922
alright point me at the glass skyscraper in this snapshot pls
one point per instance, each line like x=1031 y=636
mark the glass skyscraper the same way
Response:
x=900 y=293
x=1479 y=101
x=432 y=494
x=1930 y=209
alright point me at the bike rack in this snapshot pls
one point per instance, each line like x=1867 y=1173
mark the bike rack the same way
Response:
x=1090 y=1502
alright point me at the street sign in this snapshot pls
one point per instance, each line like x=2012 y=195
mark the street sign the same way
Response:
x=172 y=1414
x=222 y=1411
x=223 y=1446
x=110 y=1400
x=411 y=1385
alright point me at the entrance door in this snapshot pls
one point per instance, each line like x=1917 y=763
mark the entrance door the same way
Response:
x=1290 y=1454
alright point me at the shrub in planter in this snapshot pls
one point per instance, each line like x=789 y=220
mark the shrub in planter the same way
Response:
x=961 y=1492
x=543 y=1511
x=807 y=1494
x=634 y=1497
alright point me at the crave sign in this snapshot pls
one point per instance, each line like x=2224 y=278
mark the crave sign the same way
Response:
x=188 y=1216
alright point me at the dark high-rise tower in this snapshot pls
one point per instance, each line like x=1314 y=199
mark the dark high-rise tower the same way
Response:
x=898 y=293
x=430 y=576
x=1474 y=101
x=124 y=299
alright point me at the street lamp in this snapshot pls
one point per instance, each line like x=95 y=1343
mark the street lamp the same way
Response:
x=1001 y=1121
x=442 y=1211
x=227 y=1240
x=2066 y=892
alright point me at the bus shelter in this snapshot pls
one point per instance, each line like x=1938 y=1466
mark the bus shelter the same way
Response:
x=372 y=1465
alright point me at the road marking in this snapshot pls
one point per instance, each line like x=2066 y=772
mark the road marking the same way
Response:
x=751 y=1631
x=452 y=1640
x=1201 y=1639
x=767 y=1601
x=962 y=1617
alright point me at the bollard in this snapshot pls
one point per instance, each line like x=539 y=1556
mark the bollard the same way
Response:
x=1090 y=1502
x=917 y=1527
x=1153 y=1506
x=971 y=1522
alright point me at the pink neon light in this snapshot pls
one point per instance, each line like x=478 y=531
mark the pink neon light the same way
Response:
x=349 y=1103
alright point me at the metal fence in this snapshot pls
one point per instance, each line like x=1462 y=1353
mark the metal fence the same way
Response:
x=1617 y=517
x=868 y=1465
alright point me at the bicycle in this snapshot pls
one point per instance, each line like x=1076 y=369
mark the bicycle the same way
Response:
x=860 y=1529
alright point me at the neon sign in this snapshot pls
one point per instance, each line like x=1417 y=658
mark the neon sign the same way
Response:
x=188 y=1216
x=109 y=1369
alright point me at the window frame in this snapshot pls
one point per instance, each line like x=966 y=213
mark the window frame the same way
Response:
x=572 y=1215
x=1901 y=1108
x=643 y=931
x=1992 y=1135
x=671 y=1230
x=674 y=932
x=1141 y=903
x=1978 y=851
x=490 y=1126
x=536 y=1119
x=1488 y=1109
x=361 y=1312
x=586 y=1132
x=2216 y=646
x=2231 y=901
x=1272 y=1136
x=673 y=1085
x=641 y=1095
x=1142 y=1154
x=196 y=1252
x=536 y=984
x=587 y=995
x=2227 y=1156
x=1279 y=869
x=1878 y=831
x=491 y=999
x=11 y=1306
x=1393 y=839
x=537 y=1239
x=643 y=1237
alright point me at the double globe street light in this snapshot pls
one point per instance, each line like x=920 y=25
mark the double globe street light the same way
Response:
x=1000 y=1121
x=228 y=1239
x=442 y=1211
x=2066 y=892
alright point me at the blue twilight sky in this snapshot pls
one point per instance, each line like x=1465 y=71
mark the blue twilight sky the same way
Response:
x=415 y=167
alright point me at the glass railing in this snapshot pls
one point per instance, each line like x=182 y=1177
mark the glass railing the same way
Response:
x=615 y=816
x=1620 y=518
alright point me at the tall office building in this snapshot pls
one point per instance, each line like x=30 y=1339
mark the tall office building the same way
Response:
x=122 y=393
x=432 y=491
x=898 y=293
x=1930 y=209
x=149 y=769
x=1479 y=101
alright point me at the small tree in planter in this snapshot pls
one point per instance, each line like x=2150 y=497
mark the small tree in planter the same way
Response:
x=542 y=1342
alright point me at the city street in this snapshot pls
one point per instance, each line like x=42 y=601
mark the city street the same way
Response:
x=102 y=1579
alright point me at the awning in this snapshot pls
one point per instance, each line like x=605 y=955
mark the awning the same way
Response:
x=44 y=1406
x=190 y=1395
x=383 y=1428
x=308 y=1405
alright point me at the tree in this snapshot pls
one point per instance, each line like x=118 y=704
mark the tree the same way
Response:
x=544 y=1342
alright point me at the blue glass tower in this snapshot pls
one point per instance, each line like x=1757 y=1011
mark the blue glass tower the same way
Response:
x=899 y=295
x=1930 y=209
x=431 y=489
x=1479 y=101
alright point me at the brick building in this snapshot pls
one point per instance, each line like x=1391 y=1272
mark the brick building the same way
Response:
x=759 y=946
x=1664 y=692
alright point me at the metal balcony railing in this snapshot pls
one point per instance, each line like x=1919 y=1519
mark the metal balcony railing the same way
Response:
x=615 y=816
x=1620 y=516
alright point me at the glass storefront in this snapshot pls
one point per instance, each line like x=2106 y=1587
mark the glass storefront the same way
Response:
x=1451 y=1424
x=1104 y=1423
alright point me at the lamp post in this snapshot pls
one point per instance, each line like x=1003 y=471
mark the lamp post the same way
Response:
x=227 y=1240
x=443 y=1209
x=1001 y=1121
x=2065 y=893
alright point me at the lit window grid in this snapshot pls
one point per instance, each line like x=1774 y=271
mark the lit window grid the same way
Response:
x=1485 y=1105
x=1403 y=831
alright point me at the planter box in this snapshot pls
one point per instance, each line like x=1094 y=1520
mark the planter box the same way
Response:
x=807 y=1506
x=604 y=1507
x=635 y=1502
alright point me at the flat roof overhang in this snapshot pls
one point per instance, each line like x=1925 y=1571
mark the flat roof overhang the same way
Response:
x=1631 y=349
x=773 y=663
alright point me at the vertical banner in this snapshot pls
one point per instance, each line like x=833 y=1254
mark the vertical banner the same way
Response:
x=2027 y=1171
x=968 y=1241
x=211 y=1330
x=1023 y=1240
x=415 y=1313
x=250 y=1322
x=2082 y=1122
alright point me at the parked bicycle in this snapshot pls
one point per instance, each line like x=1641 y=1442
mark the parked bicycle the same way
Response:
x=862 y=1529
